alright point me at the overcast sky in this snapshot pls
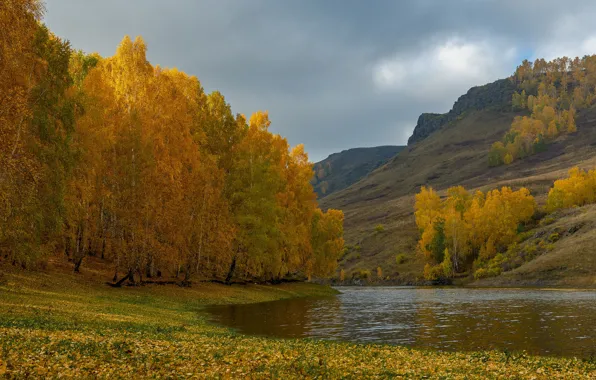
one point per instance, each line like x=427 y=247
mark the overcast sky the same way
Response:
x=335 y=74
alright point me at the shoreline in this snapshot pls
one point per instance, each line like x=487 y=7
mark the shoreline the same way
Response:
x=69 y=325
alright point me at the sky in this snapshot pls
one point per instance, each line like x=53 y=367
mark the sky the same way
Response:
x=335 y=74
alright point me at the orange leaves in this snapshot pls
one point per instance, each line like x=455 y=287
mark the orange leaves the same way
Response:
x=140 y=166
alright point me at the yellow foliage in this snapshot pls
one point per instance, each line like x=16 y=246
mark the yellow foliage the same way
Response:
x=553 y=108
x=134 y=163
x=427 y=208
x=508 y=159
x=576 y=190
x=474 y=226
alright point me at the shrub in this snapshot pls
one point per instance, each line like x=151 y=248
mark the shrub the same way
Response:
x=433 y=272
x=400 y=259
x=480 y=273
x=493 y=271
x=530 y=249
x=379 y=228
x=524 y=236
x=361 y=274
x=554 y=237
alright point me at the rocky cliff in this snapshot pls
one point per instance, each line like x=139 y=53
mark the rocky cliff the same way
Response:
x=496 y=95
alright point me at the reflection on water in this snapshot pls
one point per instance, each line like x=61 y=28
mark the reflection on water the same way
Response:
x=539 y=321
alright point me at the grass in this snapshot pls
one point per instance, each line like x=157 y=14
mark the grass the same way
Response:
x=58 y=324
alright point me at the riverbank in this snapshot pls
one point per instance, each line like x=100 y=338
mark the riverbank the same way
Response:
x=73 y=325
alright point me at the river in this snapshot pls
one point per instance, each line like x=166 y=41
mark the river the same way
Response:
x=543 y=322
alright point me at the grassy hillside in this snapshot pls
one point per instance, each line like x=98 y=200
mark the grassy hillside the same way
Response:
x=60 y=324
x=456 y=154
x=568 y=261
x=340 y=170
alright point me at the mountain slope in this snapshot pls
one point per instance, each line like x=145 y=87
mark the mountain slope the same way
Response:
x=454 y=154
x=340 y=170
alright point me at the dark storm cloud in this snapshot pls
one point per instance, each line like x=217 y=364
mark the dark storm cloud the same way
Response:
x=335 y=74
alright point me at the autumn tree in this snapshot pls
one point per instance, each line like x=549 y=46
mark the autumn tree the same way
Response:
x=327 y=242
x=133 y=163
x=36 y=122
x=578 y=189
x=466 y=227
x=551 y=92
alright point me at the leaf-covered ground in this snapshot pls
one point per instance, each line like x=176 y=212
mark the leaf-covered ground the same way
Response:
x=63 y=327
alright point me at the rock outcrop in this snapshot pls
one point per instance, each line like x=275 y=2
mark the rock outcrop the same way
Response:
x=493 y=95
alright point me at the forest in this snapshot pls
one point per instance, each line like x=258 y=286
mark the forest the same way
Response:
x=464 y=233
x=551 y=92
x=134 y=163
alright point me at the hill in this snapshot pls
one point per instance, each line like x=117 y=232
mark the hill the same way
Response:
x=343 y=169
x=454 y=153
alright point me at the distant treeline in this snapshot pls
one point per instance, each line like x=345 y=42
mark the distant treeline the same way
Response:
x=551 y=92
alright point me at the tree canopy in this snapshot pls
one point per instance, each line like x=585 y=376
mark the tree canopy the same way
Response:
x=134 y=163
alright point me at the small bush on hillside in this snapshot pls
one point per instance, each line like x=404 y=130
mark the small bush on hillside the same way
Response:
x=400 y=259
x=433 y=272
x=361 y=274
x=554 y=237
x=480 y=273
x=524 y=236
x=379 y=228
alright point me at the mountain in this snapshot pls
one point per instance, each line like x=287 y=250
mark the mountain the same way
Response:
x=343 y=169
x=452 y=149
x=496 y=95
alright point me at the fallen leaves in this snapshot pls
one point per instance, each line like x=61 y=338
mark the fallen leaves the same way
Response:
x=111 y=334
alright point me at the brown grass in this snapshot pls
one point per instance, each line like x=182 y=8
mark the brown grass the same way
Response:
x=571 y=262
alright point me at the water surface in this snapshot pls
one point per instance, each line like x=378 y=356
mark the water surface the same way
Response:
x=546 y=322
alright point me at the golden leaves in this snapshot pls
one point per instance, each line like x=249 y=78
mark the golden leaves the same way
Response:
x=577 y=190
x=462 y=225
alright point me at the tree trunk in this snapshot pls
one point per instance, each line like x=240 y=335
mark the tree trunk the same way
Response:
x=67 y=246
x=79 y=251
x=78 y=264
x=149 y=267
x=119 y=283
x=187 y=274
x=131 y=277
x=231 y=271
